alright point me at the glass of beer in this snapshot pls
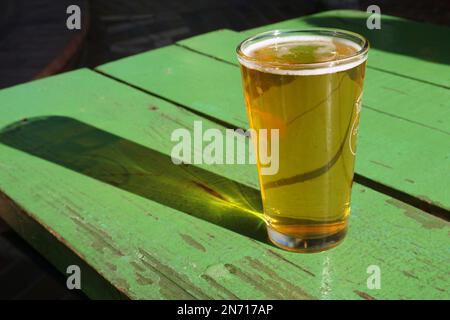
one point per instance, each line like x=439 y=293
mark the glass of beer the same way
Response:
x=307 y=84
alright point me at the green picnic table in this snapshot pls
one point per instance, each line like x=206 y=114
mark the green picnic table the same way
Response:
x=87 y=179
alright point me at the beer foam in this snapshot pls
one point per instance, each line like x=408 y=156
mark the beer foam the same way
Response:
x=332 y=68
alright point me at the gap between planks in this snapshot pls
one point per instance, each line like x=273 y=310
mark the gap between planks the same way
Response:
x=204 y=115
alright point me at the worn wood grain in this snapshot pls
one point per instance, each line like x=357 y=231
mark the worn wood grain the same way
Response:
x=147 y=248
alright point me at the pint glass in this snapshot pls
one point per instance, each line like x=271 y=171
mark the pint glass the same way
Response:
x=307 y=84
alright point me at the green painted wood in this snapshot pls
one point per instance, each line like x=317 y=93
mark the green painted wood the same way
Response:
x=203 y=84
x=403 y=123
x=220 y=44
x=399 y=44
x=55 y=250
x=83 y=170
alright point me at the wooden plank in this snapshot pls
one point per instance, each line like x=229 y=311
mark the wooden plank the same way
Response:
x=220 y=44
x=52 y=246
x=200 y=83
x=83 y=173
x=399 y=44
x=397 y=134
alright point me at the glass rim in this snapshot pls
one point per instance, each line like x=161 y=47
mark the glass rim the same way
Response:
x=361 y=54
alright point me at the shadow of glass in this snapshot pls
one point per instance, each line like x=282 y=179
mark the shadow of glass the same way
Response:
x=140 y=170
x=395 y=36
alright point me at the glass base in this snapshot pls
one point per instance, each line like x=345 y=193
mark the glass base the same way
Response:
x=292 y=243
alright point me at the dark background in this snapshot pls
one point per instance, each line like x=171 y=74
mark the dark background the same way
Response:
x=34 y=43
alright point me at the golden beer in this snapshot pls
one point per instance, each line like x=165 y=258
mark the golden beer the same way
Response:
x=308 y=85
